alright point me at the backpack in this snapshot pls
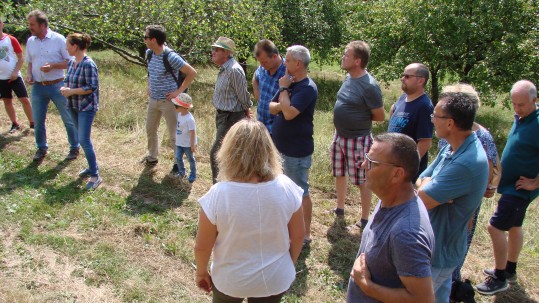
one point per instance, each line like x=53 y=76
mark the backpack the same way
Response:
x=168 y=68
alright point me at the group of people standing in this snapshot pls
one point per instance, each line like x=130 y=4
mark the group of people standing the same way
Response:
x=257 y=216
x=75 y=94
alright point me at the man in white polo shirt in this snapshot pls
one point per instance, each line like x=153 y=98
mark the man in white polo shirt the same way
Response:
x=47 y=58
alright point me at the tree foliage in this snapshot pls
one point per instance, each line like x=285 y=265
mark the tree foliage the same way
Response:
x=192 y=26
x=489 y=44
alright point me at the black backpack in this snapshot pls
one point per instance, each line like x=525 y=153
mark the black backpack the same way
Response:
x=181 y=76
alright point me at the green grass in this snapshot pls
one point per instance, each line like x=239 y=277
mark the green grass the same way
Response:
x=132 y=239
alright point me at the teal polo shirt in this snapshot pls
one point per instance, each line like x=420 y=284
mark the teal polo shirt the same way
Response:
x=461 y=177
x=520 y=156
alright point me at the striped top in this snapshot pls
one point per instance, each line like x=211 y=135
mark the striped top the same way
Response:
x=161 y=82
x=84 y=76
x=231 y=93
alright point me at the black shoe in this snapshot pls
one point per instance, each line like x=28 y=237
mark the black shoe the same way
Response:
x=339 y=212
x=14 y=127
x=175 y=169
x=511 y=278
x=150 y=163
x=492 y=286
x=40 y=154
x=73 y=154
x=32 y=125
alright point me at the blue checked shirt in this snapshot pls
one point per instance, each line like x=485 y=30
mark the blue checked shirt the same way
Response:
x=84 y=76
x=269 y=86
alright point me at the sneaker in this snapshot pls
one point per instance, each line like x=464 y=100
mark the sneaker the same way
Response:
x=175 y=170
x=339 y=212
x=146 y=161
x=85 y=173
x=492 y=286
x=192 y=179
x=14 y=127
x=40 y=154
x=93 y=185
x=511 y=278
x=73 y=154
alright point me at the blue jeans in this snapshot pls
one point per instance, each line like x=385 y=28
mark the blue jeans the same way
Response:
x=41 y=96
x=83 y=125
x=297 y=169
x=180 y=150
x=441 y=281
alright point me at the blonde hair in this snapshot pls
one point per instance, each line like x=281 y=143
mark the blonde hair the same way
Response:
x=248 y=151
x=466 y=89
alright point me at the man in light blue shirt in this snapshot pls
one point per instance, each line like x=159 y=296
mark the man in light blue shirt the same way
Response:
x=47 y=58
x=453 y=185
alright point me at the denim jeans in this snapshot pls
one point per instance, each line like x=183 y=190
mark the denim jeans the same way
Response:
x=41 y=96
x=441 y=281
x=83 y=125
x=297 y=169
x=180 y=150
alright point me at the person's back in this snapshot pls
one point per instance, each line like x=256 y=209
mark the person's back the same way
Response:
x=252 y=246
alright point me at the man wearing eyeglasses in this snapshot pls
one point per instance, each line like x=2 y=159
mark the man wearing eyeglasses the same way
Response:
x=162 y=87
x=452 y=186
x=394 y=259
x=410 y=115
x=359 y=102
x=231 y=98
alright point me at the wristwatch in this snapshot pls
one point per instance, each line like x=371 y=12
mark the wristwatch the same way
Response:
x=282 y=88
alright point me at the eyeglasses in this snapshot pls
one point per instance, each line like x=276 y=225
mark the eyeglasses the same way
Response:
x=370 y=162
x=433 y=116
x=407 y=76
x=147 y=37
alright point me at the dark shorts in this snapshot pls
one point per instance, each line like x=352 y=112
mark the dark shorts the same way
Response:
x=17 y=86
x=219 y=297
x=510 y=212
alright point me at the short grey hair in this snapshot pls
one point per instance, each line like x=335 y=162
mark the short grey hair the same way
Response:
x=525 y=84
x=301 y=53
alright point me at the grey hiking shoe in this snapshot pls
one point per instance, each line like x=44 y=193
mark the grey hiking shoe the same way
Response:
x=73 y=154
x=40 y=154
x=511 y=278
x=492 y=286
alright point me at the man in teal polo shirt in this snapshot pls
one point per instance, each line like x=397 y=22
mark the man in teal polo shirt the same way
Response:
x=519 y=185
x=453 y=185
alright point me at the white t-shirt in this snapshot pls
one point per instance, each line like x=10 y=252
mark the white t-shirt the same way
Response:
x=9 y=48
x=185 y=125
x=251 y=255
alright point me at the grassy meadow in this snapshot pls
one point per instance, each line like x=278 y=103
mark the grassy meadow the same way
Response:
x=132 y=239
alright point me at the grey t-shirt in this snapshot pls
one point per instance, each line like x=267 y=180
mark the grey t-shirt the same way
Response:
x=355 y=99
x=398 y=241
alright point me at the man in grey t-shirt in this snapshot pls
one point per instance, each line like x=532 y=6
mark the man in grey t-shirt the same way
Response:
x=394 y=258
x=359 y=102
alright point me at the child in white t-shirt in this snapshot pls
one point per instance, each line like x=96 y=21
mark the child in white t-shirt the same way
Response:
x=186 y=140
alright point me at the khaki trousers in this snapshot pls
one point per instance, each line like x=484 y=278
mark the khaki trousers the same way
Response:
x=156 y=109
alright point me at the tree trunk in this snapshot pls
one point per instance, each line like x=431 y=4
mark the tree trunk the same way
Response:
x=434 y=87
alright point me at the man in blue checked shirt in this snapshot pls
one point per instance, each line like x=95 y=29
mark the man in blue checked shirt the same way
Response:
x=266 y=78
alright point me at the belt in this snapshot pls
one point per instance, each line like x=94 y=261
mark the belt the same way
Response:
x=226 y=112
x=50 y=82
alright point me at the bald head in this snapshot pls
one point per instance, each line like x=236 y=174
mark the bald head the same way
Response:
x=523 y=98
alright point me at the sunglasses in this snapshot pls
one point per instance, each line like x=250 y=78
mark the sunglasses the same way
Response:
x=407 y=76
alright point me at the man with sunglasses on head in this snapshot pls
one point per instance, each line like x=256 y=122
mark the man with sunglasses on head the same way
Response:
x=453 y=185
x=359 y=102
x=394 y=259
x=162 y=88
x=410 y=115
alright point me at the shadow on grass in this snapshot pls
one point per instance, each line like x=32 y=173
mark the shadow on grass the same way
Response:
x=6 y=139
x=344 y=247
x=516 y=293
x=150 y=196
x=30 y=176
x=299 y=287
